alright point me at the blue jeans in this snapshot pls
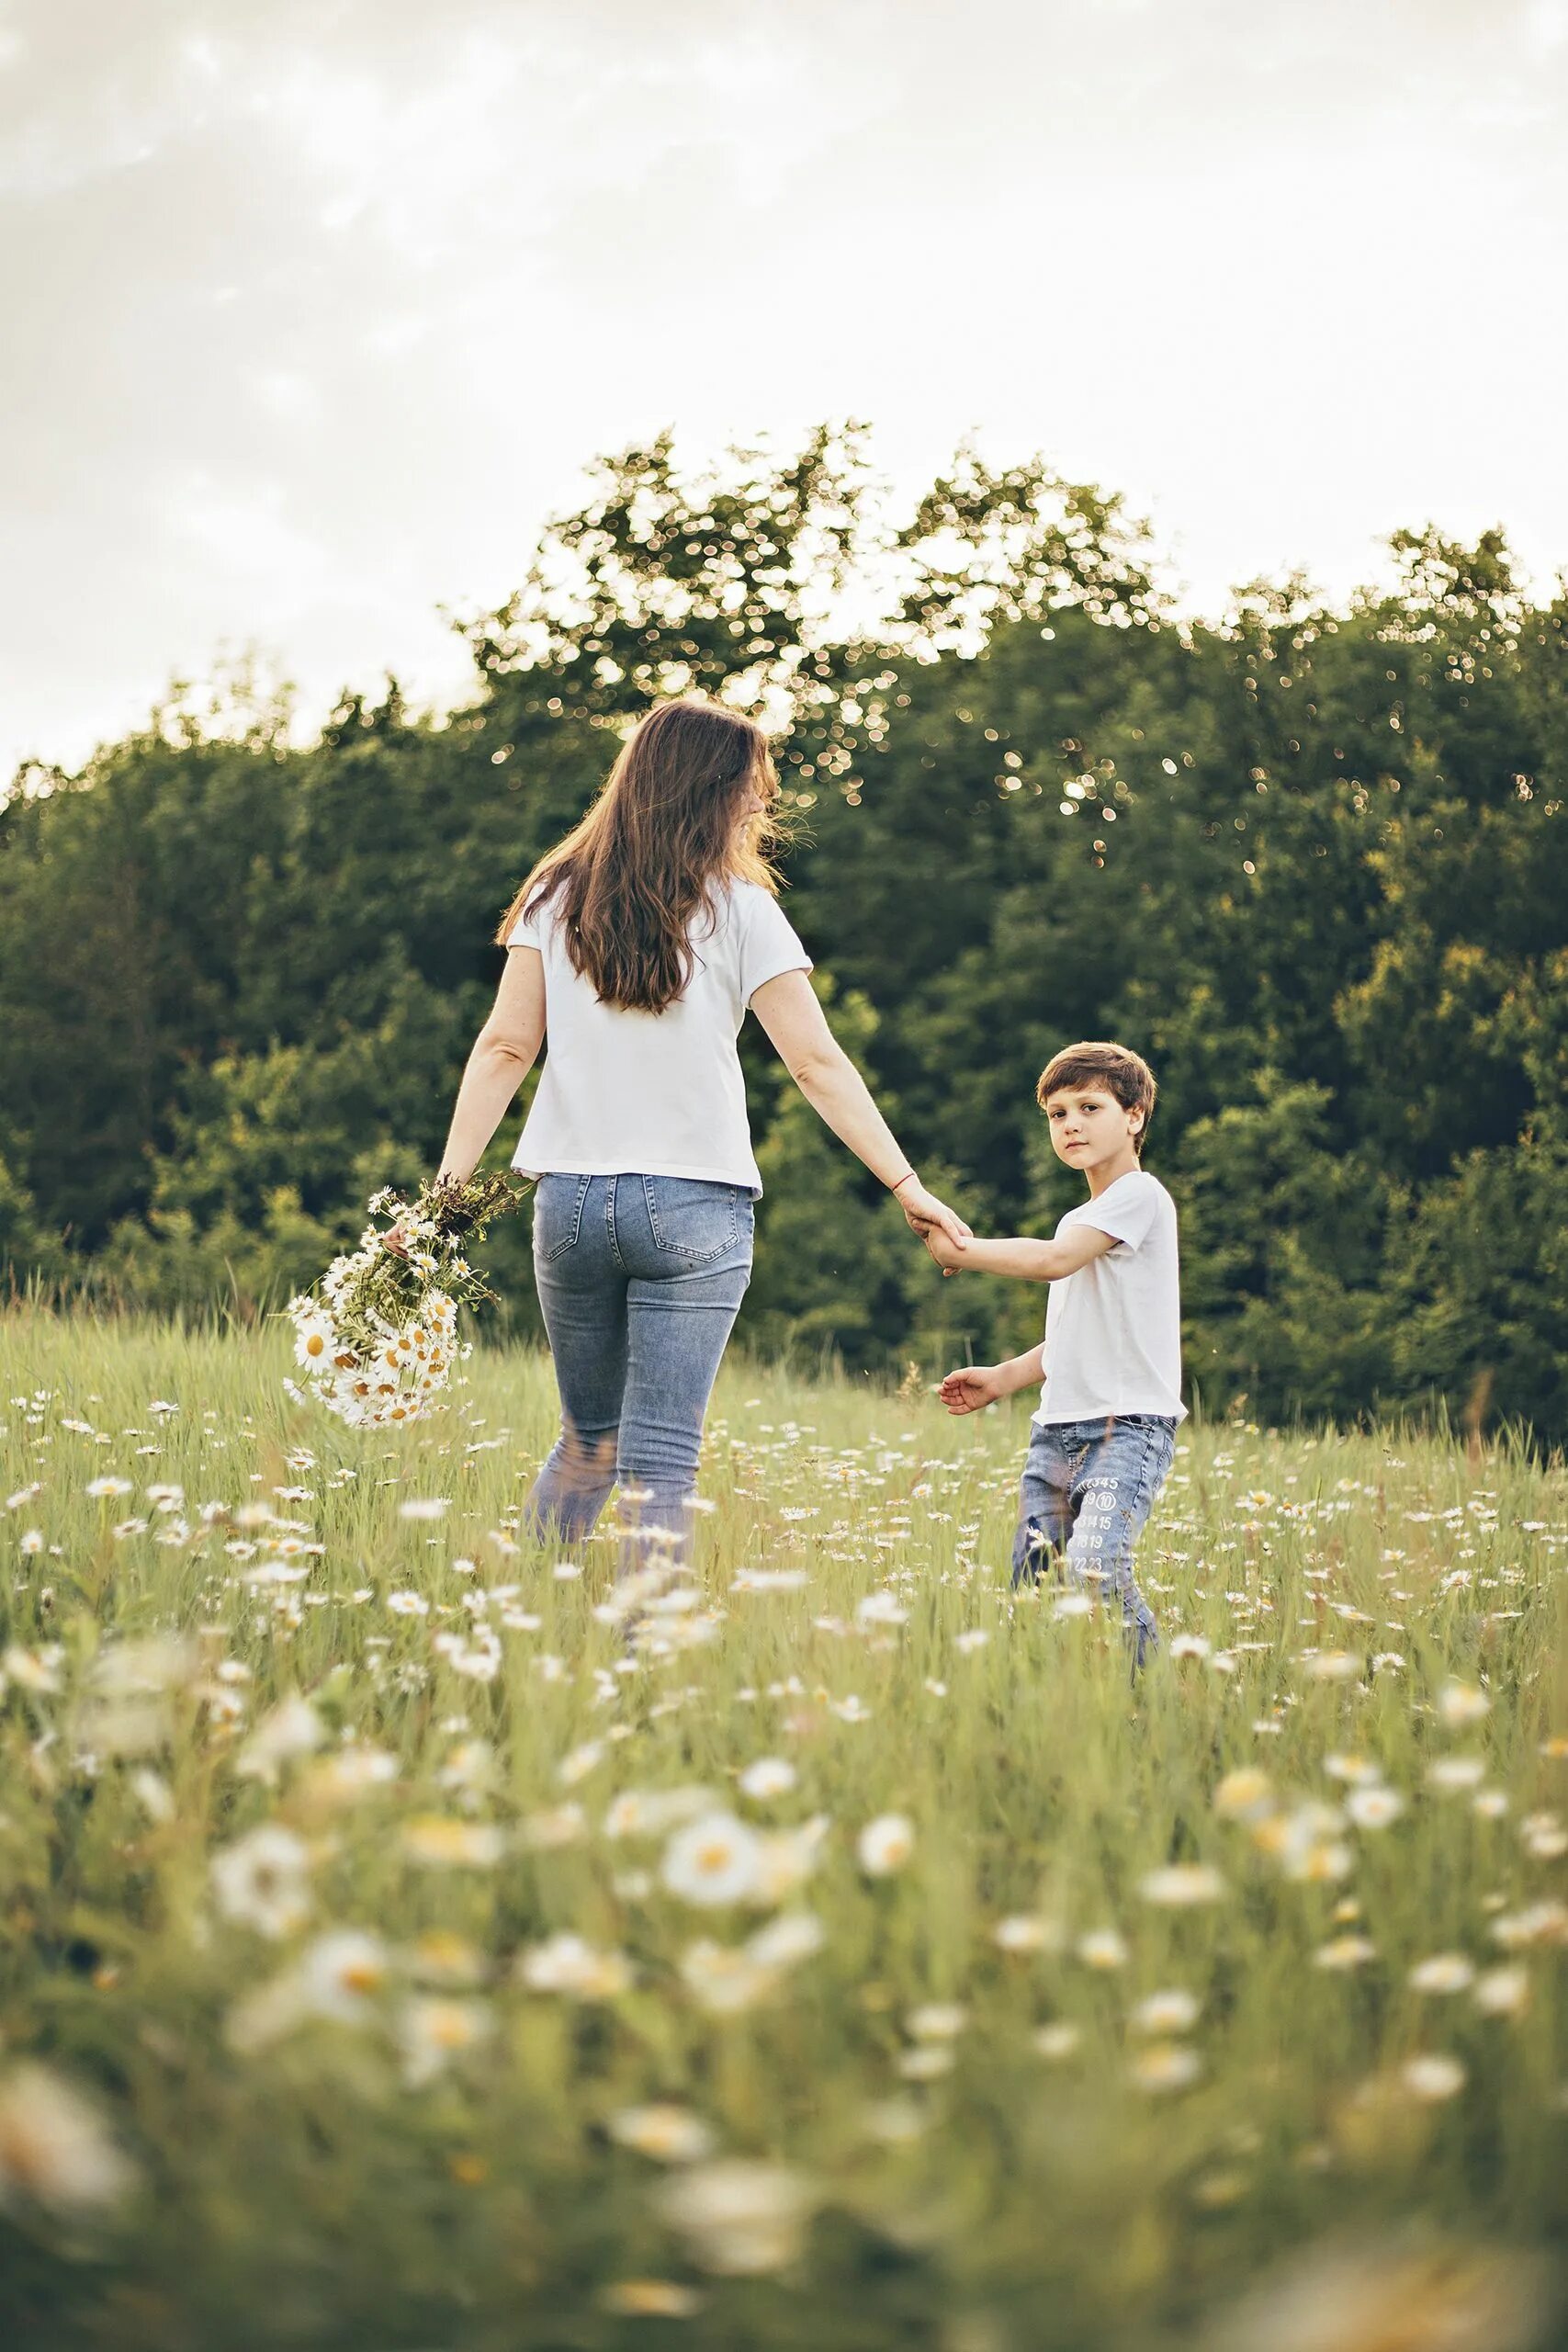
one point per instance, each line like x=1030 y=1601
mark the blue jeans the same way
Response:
x=1087 y=1491
x=641 y=1279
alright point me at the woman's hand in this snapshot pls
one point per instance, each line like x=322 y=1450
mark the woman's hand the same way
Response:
x=925 y=1214
x=396 y=1239
x=971 y=1389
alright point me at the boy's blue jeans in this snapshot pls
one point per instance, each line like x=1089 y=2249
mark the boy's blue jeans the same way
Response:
x=1087 y=1491
x=641 y=1279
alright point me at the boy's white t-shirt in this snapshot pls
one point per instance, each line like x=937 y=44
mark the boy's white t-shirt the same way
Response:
x=654 y=1093
x=1113 y=1329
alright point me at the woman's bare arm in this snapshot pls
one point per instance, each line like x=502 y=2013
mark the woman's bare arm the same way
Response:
x=503 y=1053
x=797 y=1028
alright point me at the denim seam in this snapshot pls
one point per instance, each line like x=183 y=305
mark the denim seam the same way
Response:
x=1146 y=1483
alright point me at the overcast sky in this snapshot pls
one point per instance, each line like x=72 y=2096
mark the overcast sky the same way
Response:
x=314 y=309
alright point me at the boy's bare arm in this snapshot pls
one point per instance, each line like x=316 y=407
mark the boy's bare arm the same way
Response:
x=1023 y=1258
x=974 y=1386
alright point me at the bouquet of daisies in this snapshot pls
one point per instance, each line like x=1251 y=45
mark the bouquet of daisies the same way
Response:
x=376 y=1339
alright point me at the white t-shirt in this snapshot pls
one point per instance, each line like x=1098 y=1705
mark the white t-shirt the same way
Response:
x=1113 y=1329
x=654 y=1093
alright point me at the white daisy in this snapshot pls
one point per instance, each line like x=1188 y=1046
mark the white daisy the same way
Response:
x=671 y=2134
x=1501 y=1992
x=1449 y=1774
x=1179 y=1885
x=713 y=1860
x=569 y=1964
x=434 y=2028
x=1057 y=2041
x=340 y=1974
x=1460 y=1703
x=1375 y=1808
x=738 y=2216
x=885 y=1844
x=1175 y=2011
x=55 y=2148
x=262 y=1880
x=1446 y=1972
x=1165 y=2066
x=1433 y=2076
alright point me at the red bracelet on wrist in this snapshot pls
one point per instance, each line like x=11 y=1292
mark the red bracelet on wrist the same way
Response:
x=904 y=1180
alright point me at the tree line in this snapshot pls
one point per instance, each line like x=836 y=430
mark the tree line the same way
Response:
x=1308 y=859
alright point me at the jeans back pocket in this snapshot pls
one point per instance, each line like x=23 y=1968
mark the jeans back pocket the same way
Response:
x=558 y=1214
x=691 y=1219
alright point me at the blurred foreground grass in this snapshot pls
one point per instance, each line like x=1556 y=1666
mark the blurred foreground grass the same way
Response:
x=400 y=1951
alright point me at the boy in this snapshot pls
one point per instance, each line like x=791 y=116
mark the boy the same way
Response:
x=1101 y=1442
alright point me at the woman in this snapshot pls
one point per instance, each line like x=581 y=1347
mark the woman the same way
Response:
x=635 y=947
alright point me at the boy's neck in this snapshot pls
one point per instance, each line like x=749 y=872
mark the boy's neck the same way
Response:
x=1125 y=1163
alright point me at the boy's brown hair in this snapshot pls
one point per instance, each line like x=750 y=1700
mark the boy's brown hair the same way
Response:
x=1096 y=1062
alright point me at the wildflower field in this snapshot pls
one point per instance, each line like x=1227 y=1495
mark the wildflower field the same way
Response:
x=404 y=1947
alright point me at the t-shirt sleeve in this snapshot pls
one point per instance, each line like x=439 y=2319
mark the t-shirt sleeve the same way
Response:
x=768 y=944
x=528 y=929
x=1126 y=1210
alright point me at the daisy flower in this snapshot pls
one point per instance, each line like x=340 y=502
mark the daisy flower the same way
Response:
x=885 y=1844
x=1175 y=2011
x=1165 y=2066
x=56 y=2151
x=711 y=1861
x=262 y=1880
x=1374 y=1807
x=1433 y=2076
x=341 y=1973
x=1182 y=1884
x=738 y=2216
x=433 y=2028
x=671 y=2134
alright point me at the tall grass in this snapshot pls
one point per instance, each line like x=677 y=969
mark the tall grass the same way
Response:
x=958 y=2124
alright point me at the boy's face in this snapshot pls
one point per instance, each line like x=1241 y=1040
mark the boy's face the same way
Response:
x=1089 y=1126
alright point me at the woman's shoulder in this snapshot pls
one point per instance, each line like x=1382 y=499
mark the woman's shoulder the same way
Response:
x=735 y=904
x=740 y=891
x=534 y=921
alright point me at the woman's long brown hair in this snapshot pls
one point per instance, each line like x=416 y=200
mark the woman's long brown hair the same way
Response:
x=626 y=881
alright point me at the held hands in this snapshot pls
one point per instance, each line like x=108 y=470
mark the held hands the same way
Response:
x=970 y=1390
x=948 y=1255
x=926 y=1215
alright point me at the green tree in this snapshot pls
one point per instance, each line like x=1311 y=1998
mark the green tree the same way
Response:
x=1310 y=860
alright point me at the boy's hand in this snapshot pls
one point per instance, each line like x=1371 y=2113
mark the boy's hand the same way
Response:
x=971 y=1389
x=949 y=1255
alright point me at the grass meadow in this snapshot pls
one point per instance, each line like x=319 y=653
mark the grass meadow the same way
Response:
x=400 y=1949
